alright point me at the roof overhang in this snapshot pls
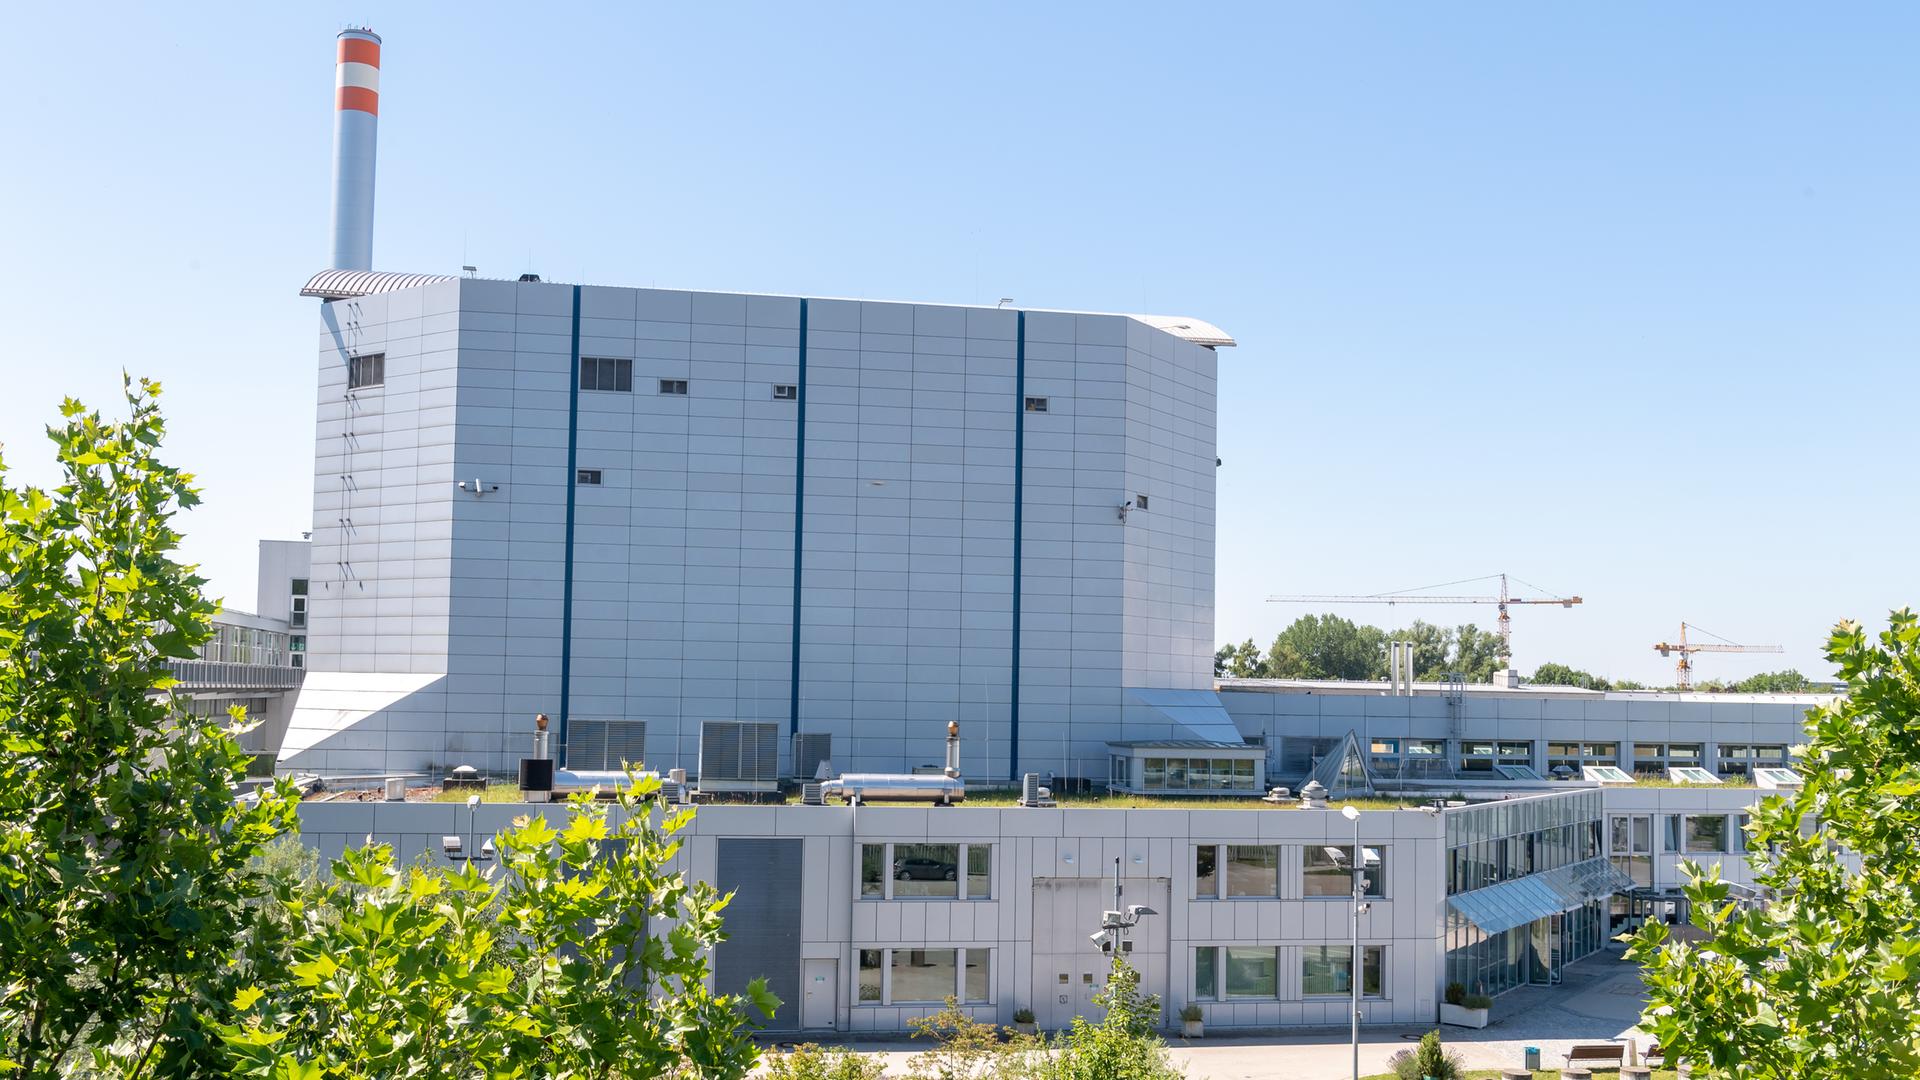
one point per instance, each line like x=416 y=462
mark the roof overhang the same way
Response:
x=348 y=284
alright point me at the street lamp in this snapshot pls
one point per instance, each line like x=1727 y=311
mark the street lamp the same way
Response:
x=1356 y=973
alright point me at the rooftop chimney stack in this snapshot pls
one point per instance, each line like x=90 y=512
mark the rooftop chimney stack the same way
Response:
x=356 y=120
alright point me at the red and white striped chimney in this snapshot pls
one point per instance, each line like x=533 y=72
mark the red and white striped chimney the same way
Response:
x=356 y=120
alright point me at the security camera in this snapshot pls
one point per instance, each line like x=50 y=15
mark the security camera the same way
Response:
x=1102 y=940
x=1134 y=911
x=451 y=846
x=473 y=801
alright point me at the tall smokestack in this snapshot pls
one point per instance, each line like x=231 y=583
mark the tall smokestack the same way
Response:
x=356 y=121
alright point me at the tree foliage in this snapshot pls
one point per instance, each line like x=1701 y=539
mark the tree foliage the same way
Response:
x=1330 y=647
x=1551 y=674
x=585 y=956
x=1823 y=981
x=125 y=859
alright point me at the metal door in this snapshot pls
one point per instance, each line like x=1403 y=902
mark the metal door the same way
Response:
x=820 y=985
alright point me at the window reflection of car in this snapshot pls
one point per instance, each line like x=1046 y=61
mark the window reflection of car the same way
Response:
x=922 y=868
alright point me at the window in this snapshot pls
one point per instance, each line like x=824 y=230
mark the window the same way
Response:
x=673 y=386
x=926 y=871
x=1631 y=845
x=912 y=976
x=1328 y=969
x=1654 y=759
x=1198 y=774
x=1742 y=760
x=1139 y=502
x=1706 y=835
x=1036 y=404
x=297 y=612
x=1206 y=878
x=1576 y=754
x=1325 y=877
x=786 y=392
x=1253 y=870
x=588 y=476
x=297 y=651
x=1206 y=973
x=606 y=373
x=1481 y=755
x=298 y=586
x=1252 y=971
x=365 y=371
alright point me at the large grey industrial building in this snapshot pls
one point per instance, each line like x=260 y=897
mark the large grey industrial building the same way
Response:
x=656 y=515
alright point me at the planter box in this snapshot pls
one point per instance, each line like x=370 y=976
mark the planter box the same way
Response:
x=1192 y=1029
x=1028 y=1027
x=1461 y=1016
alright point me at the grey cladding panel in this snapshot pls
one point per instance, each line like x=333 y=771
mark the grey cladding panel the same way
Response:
x=762 y=923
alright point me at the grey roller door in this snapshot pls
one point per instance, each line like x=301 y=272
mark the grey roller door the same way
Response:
x=762 y=923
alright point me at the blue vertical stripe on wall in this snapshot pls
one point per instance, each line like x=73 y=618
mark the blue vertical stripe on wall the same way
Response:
x=799 y=517
x=566 y=587
x=1019 y=467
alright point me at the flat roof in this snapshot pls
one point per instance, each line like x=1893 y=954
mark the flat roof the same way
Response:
x=348 y=284
x=1525 y=690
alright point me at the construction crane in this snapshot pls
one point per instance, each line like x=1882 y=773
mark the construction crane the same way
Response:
x=1416 y=596
x=1683 y=668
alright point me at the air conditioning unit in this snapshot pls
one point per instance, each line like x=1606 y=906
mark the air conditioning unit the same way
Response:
x=810 y=794
x=606 y=744
x=739 y=756
x=811 y=749
x=1031 y=793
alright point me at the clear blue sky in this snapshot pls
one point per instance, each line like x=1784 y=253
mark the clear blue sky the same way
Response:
x=1620 y=298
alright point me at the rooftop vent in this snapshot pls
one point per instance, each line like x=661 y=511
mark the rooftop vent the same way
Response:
x=526 y=278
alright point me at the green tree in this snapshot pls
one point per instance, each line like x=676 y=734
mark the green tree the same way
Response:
x=1824 y=980
x=1431 y=647
x=589 y=960
x=1551 y=674
x=126 y=862
x=1476 y=653
x=963 y=1048
x=1775 y=682
x=1244 y=661
x=1328 y=647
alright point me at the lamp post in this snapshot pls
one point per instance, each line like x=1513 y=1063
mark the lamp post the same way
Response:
x=1356 y=973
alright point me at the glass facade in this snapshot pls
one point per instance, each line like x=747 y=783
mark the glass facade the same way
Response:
x=1501 y=841
x=1197 y=774
x=232 y=644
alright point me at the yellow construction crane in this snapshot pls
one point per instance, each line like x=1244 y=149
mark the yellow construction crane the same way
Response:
x=1683 y=669
x=1416 y=596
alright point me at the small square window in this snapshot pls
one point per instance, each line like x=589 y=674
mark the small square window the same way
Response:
x=1139 y=502
x=298 y=587
x=673 y=386
x=1036 y=404
x=588 y=476
x=786 y=392
x=366 y=371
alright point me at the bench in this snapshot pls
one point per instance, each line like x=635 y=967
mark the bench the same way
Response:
x=1612 y=1054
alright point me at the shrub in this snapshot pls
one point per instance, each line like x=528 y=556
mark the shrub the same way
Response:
x=810 y=1062
x=964 y=1048
x=1477 y=1001
x=1456 y=994
x=1192 y=1013
x=1023 y=1016
x=1429 y=1059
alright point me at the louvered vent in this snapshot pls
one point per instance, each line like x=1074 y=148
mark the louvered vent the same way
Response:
x=810 y=748
x=606 y=744
x=736 y=755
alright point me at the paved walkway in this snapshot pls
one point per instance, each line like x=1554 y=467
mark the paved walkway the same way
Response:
x=1598 y=1001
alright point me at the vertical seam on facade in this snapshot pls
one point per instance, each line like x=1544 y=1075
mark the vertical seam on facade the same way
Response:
x=1019 y=468
x=799 y=517
x=573 y=478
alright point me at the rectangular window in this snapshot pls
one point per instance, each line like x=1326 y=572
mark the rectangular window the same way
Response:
x=1253 y=870
x=1706 y=835
x=588 y=476
x=872 y=964
x=673 y=386
x=979 y=871
x=1326 y=970
x=926 y=870
x=922 y=975
x=873 y=870
x=975 y=986
x=1206 y=976
x=1036 y=404
x=606 y=373
x=1324 y=876
x=1139 y=502
x=1252 y=972
x=298 y=586
x=1673 y=830
x=786 y=392
x=1156 y=773
x=1206 y=879
x=365 y=371
x=297 y=612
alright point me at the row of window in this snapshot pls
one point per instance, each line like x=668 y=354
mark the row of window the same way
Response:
x=926 y=871
x=246 y=645
x=1252 y=871
x=1650 y=759
x=1683 y=834
x=1490 y=861
x=924 y=976
x=1229 y=972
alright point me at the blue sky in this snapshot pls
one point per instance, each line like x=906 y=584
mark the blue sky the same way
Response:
x=1620 y=298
